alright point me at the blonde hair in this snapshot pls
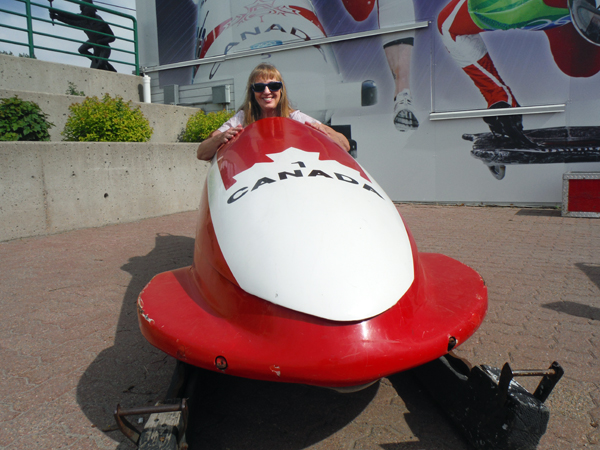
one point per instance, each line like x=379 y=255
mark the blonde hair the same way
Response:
x=251 y=108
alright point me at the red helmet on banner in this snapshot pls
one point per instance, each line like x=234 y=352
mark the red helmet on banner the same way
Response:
x=359 y=9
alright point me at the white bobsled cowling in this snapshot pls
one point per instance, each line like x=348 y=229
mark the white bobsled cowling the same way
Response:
x=312 y=235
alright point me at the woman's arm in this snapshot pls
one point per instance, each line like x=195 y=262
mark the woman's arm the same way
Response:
x=208 y=147
x=338 y=138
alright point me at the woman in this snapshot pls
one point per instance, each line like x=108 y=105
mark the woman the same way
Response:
x=266 y=96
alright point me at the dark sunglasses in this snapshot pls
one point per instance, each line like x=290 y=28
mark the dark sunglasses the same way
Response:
x=273 y=86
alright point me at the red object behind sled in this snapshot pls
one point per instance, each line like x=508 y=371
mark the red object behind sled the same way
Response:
x=581 y=194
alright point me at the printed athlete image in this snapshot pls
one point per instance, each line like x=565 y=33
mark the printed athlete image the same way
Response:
x=398 y=52
x=241 y=25
x=572 y=28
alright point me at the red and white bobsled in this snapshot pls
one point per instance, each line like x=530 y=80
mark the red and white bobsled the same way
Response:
x=304 y=272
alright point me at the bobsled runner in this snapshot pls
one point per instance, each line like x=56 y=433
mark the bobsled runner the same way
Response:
x=304 y=272
x=550 y=145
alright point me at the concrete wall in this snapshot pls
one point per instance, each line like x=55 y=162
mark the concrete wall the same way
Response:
x=32 y=75
x=50 y=187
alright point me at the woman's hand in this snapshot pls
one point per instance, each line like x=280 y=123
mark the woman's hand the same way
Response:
x=208 y=147
x=338 y=138
x=228 y=135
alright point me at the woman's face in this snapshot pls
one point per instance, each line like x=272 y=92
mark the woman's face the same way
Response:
x=267 y=100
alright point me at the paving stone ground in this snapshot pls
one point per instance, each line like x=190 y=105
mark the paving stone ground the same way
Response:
x=70 y=348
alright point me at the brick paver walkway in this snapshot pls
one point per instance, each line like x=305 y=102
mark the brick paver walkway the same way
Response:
x=70 y=348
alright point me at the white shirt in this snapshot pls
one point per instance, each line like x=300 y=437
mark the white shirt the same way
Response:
x=238 y=119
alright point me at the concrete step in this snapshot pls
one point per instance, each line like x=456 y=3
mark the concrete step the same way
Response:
x=32 y=75
x=168 y=121
x=51 y=187
x=47 y=84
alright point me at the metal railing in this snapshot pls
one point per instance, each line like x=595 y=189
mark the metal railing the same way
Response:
x=36 y=27
x=289 y=46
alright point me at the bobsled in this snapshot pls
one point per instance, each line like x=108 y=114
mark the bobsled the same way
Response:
x=305 y=272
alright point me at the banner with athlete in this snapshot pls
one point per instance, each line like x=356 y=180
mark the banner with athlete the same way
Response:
x=389 y=88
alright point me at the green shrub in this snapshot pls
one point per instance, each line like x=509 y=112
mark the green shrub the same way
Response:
x=72 y=90
x=21 y=120
x=200 y=125
x=106 y=120
x=21 y=55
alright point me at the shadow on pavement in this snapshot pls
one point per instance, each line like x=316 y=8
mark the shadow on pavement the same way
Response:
x=132 y=372
x=425 y=419
x=592 y=271
x=237 y=413
x=549 y=212
x=578 y=309
x=574 y=309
